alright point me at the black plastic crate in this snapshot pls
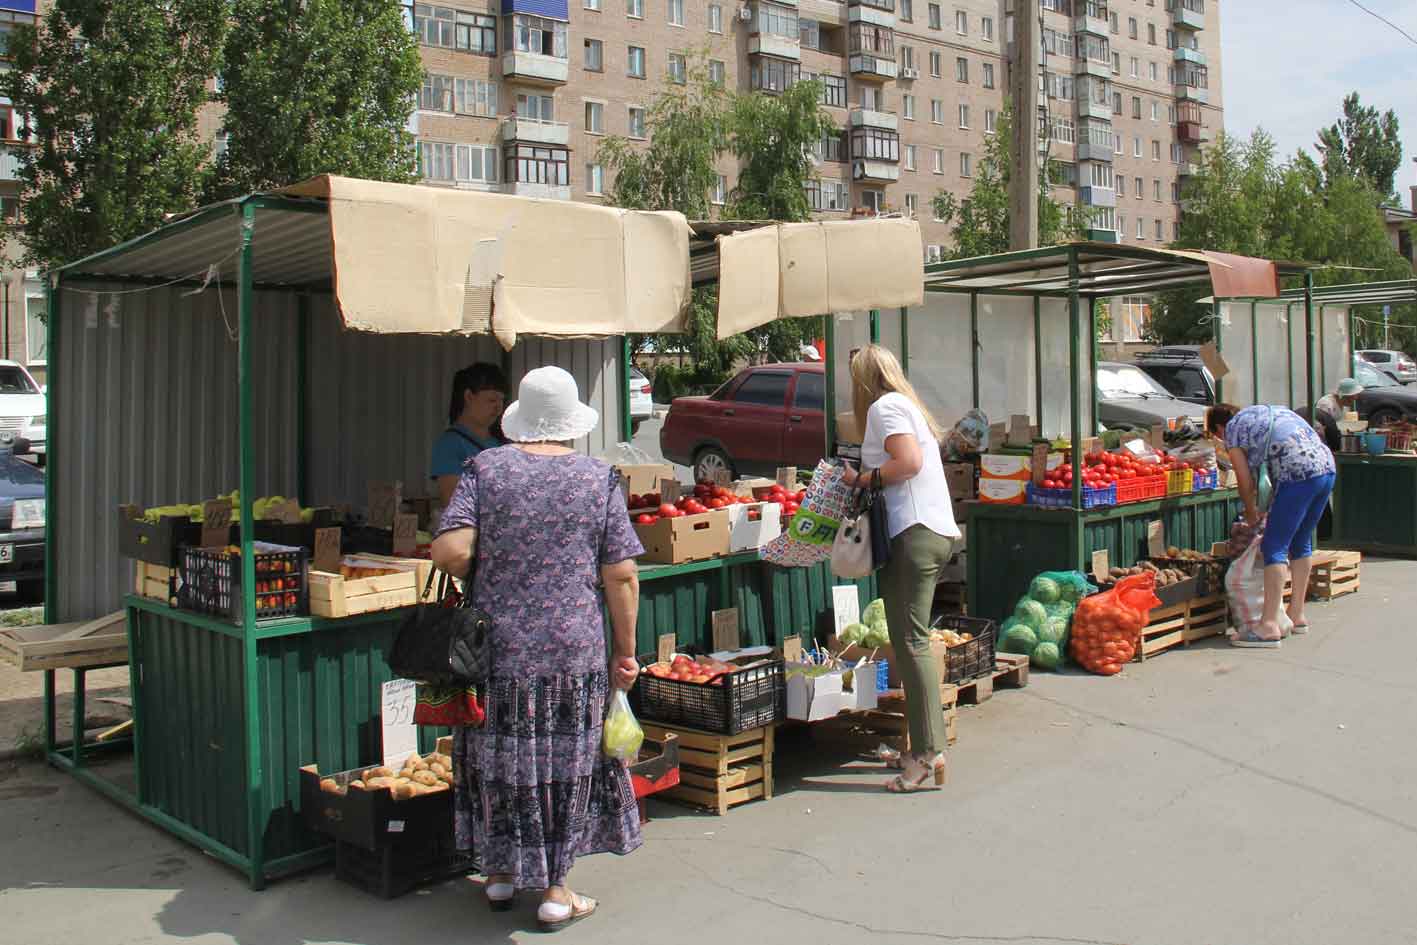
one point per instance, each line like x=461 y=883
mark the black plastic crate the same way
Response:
x=972 y=659
x=400 y=866
x=210 y=582
x=159 y=542
x=747 y=699
x=1208 y=572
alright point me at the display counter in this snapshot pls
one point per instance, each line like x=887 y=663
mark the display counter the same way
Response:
x=1375 y=504
x=1009 y=544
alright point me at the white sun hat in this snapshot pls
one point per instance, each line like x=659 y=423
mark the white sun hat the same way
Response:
x=548 y=408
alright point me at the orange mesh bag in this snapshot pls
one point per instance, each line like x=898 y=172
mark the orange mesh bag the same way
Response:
x=1107 y=627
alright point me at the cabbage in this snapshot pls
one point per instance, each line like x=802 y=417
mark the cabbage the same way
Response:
x=1031 y=612
x=1045 y=590
x=1045 y=656
x=875 y=612
x=853 y=634
x=1072 y=591
x=1062 y=608
x=1053 y=631
x=877 y=636
x=1020 y=639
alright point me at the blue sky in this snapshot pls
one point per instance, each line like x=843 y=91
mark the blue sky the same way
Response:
x=1288 y=63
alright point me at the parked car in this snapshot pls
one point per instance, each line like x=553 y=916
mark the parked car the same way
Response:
x=21 y=409
x=1383 y=399
x=641 y=401
x=1180 y=370
x=767 y=416
x=1128 y=397
x=1395 y=364
x=21 y=523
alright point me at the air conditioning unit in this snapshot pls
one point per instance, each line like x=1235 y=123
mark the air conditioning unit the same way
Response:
x=745 y=14
x=909 y=73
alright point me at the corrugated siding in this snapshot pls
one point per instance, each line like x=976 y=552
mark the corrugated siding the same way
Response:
x=1376 y=505
x=144 y=397
x=556 y=9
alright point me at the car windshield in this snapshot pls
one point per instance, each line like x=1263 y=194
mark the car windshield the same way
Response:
x=15 y=381
x=1372 y=377
x=1123 y=381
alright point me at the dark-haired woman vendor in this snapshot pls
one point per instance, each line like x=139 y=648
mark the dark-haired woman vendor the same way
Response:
x=474 y=416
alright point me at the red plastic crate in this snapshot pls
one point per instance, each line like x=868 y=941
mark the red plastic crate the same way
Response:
x=1141 y=489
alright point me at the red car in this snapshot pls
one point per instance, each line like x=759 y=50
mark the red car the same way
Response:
x=768 y=416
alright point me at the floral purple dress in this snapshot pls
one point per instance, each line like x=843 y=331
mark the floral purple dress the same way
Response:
x=534 y=789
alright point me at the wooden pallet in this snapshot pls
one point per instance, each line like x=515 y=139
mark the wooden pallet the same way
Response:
x=101 y=642
x=719 y=772
x=1010 y=672
x=889 y=715
x=1337 y=578
x=1183 y=624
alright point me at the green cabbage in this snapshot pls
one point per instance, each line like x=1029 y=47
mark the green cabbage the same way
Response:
x=1020 y=639
x=853 y=634
x=1031 y=612
x=1045 y=656
x=875 y=612
x=1045 y=590
x=1053 y=631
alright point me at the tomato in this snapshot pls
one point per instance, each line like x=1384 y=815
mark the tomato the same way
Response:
x=645 y=518
x=667 y=511
x=719 y=492
x=650 y=498
x=716 y=503
x=790 y=508
x=801 y=496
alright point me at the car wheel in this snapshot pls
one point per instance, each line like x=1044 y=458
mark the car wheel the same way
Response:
x=710 y=463
x=1382 y=417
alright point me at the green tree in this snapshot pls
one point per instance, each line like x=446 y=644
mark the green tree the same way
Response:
x=981 y=220
x=317 y=87
x=773 y=137
x=1364 y=144
x=109 y=93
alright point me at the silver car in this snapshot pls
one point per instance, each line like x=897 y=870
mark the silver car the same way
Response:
x=641 y=399
x=1395 y=364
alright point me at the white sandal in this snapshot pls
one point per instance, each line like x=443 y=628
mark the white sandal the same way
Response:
x=554 y=916
x=500 y=896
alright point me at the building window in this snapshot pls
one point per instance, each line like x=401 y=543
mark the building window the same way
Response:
x=986 y=28
x=875 y=144
x=1155 y=111
x=594 y=55
x=594 y=180
x=833 y=90
x=810 y=32
x=934 y=253
x=907 y=10
x=676 y=12
x=991 y=118
x=961 y=22
x=1136 y=68
x=966 y=162
x=912 y=204
x=935 y=64
x=938 y=161
x=1136 y=106
x=1116 y=103
x=773 y=75
x=436 y=95
x=964 y=116
x=715 y=18
x=1170 y=114
x=718 y=71
x=1156 y=191
x=535 y=34
x=678 y=68
x=1155 y=150
x=873 y=98
x=873 y=200
x=907 y=107
x=876 y=40
x=537 y=164
x=1136 y=146
x=219 y=147
x=1116 y=63
x=906 y=58
x=595 y=118
x=832 y=148
x=1132 y=27
x=1154 y=72
x=637 y=122
x=988 y=75
x=439 y=160
x=454 y=29
x=1117 y=140
x=937 y=111
x=1063 y=173
x=934 y=16
x=635 y=62
x=1121 y=227
x=1062 y=130
x=1159 y=231
x=475 y=97
x=591 y=5
x=635 y=9
x=1175 y=192
x=910 y=157
x=1141 y=188
x=777 y=20
x=1141 y=228
x=1151 y=38
x=720 y=190
x=536 y=107
x=961 y=69
x=1102 y=175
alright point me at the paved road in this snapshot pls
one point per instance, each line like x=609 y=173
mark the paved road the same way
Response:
x=1216 y=796
x=648 y=440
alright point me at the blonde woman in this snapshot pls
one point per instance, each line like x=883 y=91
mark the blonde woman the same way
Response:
x=900 y=451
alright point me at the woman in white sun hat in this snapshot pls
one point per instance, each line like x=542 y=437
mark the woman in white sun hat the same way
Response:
x=540 y=527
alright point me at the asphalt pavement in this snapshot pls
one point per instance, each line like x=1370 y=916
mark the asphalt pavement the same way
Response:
x=1208 y=796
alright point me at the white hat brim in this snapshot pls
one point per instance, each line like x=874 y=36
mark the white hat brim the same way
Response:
x=519 y=429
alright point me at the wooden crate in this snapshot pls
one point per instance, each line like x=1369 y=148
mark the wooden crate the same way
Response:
x=1010 y=672
x=154 y=581
x=1336 y=578
x=333 y=595
x=719 y=772
x=98 y=642
x=1180 y=624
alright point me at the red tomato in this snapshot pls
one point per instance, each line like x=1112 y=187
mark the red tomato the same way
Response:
x=790 y=508
x=650 y=498
x=720 y=492
x=716 y=503
x=667 y=511
x=645 y=519
x=801 y=496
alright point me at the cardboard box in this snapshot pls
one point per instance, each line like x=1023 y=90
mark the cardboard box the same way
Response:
x=960 y=478
x=1011 y=466
x=686 y=538
x=746 y=487
x=752 y=526
x=846 y=431
x=812 y=698
x=644 y=477
x=1003 y=491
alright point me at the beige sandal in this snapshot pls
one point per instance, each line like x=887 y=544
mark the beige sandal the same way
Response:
x=917 y=775
x=553 y=916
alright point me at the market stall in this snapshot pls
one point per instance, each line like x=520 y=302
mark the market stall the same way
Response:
x=287 y=337
x=1375 y=494
x=1013 y=335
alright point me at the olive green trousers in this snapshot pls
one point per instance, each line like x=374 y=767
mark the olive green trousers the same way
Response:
x=908 y=589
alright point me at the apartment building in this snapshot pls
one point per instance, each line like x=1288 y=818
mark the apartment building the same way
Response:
x=22 y=298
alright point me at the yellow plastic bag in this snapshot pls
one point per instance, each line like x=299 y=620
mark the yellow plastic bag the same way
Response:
x=623 y=735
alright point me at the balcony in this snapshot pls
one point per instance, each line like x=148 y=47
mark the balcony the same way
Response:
x=870 y=13
x=535 y=68
x=1189 y=116
x=869 y=68
x=1087 y=108
x=536 y=131
x=768 y=44
x=1194 y=56
x=10 y=161
x=1098 y=196
x=868 y=170
x=1187 y=169
x=1192 y=93
x=1190 y=14
x=1086 y=22
x=1100 y=147
x=1102 y=236
x=867 y=118
x=543 y=191
x=1092 y=67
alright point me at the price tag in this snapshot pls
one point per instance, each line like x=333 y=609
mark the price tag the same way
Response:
x=216 y=523
x=1101 y=566
x=787 y=477
x=1136 y=447
x=1038 y=463
x=405 y=534
x=1090 y=445
x=1156 y=539
x=328 y=553
x=1020 y=431
x=725 y=629
x=721 y=477
x=384 y=501
x=289 y=511
x=846 y=606
x=400 y=735
x=670 y=490
x=664 y=651
x=1221 y=549
x=792 y=649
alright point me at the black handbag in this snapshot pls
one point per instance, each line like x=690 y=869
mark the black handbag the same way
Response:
x=880 y=524
x=445 y=646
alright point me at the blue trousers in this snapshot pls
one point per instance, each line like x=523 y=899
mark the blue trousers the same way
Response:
x=1294 y=513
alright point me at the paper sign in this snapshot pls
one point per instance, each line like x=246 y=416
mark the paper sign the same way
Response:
x=664 y=651
x=846 y=606
x=1213 y=361
x=1101 y=566
x=400 y=735
x=216 y=523
x=1038 y=463
x=669 y=490
x=787 y=477
x=1158 y=435
x=328 y=554
x=792 y=649
x=1156 y=539
x=1135 y=447
x=287 y=512
x=998 y=433
x=384 y=501
x=405 y=534
x=721 y=477
x=1020 y=431
x=1221 y=549
x=725 y=629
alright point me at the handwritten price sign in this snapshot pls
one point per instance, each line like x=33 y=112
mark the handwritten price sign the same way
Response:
x=384 y=501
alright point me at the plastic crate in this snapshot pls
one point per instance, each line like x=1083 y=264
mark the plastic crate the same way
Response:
x=1063 y=498
x=749 y=698
x=400 y=866
x=1205 y=479
x=1141 y=489
x=1180 y=481
x=973 y=659
x=210 y=582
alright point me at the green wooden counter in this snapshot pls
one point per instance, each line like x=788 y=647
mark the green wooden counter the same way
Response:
x=1375 y=504
x=1010 y=544
x=313 y=684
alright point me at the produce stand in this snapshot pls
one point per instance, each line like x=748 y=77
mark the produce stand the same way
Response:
x=1014 y=334
x=234 y=339
x=1374 y=498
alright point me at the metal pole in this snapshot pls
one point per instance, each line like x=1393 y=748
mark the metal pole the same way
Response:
x=53 y=400
x=974 y=343
x=829 y=375
x=255 y=828
x=905 y=340
x=1092 y=369
x=1038 y=361
x=1289 y=347
x=875 y=326
x=626 y=421
x=1255 y=351
x=1074 y=357
x=1219 y=337
x=302 y=395
x=1323 y=356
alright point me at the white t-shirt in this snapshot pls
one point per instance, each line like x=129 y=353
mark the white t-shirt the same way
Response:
x=925 y=499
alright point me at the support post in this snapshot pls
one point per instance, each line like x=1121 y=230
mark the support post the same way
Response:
x=829 y=376
x=54 y=399
x=1309 y=339
x=974 y=345
x=875 y=326
x=1289 y=348
x=1038 y=361
x=1219 y=338
x=302 y=398
x=1323 y=356
x=1074 y=381
x=1092 y=367
x=905 y=340
x=626 y=421
x=1255 y=351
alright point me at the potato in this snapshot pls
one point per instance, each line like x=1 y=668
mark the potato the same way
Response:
x=426 y=778
x=437 y=787
x=416 y=762
x=1173 y=552
x=360 y=785
x=438 y=769
x=447 y=761
x=403 y=791
x=329 y=786
x=379 y=772
x=379 y=783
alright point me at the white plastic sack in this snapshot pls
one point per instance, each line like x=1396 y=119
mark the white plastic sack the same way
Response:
x=1244 y=584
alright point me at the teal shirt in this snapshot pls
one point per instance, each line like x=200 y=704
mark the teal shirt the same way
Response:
x=454 y=447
